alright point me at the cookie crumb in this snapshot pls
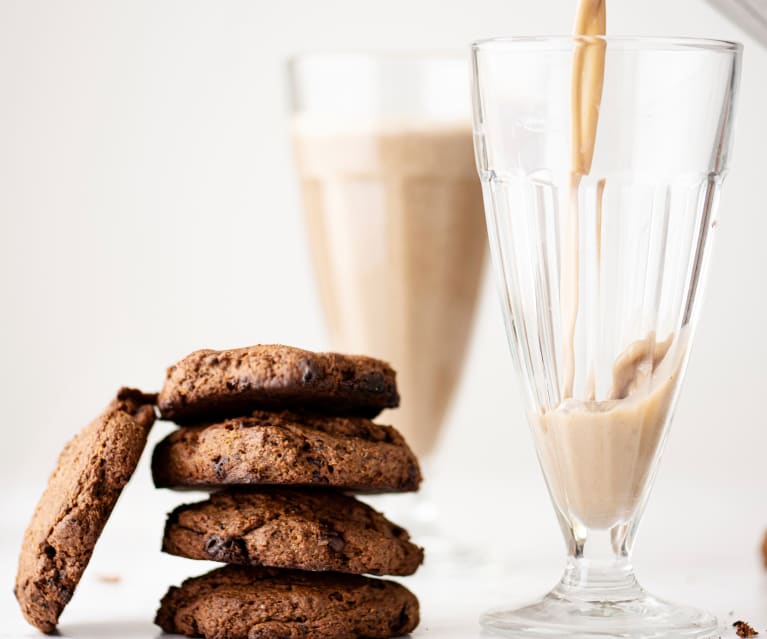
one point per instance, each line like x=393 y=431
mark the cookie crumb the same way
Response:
x=109 y=579
x=743 y=629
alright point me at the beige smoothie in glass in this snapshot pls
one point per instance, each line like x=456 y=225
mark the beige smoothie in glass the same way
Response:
x=396 y=228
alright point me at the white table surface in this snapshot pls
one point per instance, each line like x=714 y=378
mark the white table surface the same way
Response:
x=698 y=545
x=451 y=600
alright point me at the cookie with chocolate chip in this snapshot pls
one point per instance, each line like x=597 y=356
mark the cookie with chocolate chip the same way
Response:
x=284 y=528
x=289 y=449
x=210 y=384
x=92 y=470
x=238 y=602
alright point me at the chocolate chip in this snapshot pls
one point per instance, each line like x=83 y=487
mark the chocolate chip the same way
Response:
x=332 y=540
x=309 y=371
x=317 y=478
x=374 y=381
x=398 y=625
x=213 y=543
x=227 y=549
x=219 y=467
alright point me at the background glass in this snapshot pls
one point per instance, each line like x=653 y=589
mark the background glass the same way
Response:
x=394 y=216
x=639 y=226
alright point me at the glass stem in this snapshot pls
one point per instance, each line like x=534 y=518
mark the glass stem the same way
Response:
x=599 y=568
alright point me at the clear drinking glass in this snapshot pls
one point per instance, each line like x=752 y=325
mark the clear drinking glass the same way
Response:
x=394 y=216
x=600 y=276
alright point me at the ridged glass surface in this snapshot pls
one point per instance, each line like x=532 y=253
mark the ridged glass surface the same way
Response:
x=640 y=252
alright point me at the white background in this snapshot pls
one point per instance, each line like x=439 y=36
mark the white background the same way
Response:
x=148 y=207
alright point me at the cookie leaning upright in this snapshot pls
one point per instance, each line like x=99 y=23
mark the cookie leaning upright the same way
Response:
x=91 y=472
x=211 y=384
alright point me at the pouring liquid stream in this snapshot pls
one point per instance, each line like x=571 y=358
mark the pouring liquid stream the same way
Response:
x=598 y=452
x=586 y=96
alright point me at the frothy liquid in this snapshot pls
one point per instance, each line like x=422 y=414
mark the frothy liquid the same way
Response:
x=397 y=233
x=597 y=453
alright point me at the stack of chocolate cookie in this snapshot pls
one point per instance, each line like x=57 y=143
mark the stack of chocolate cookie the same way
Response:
x=282 y=435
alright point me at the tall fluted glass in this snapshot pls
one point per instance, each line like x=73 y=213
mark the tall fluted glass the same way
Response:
x=394 y=218
x=600 y=273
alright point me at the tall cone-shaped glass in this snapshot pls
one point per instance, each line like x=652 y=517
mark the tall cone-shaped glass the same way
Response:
x=599 y=267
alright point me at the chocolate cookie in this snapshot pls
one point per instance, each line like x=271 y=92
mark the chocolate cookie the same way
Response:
x=308 y=530
x=92 y=470
x=216 y=384
x=764 y=550
x=350 y=453
x=238 y=602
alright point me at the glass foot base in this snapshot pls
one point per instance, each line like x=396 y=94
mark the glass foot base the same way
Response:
x=557 y=615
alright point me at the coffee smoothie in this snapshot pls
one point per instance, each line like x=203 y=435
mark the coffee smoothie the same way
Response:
x=597 y=452
x=396 y=227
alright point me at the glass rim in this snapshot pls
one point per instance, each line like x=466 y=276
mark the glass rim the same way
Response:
x=642 y=43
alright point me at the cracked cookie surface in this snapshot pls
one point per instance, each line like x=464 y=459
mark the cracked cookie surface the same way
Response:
x=287 y=449
x=91 y=472
x=238 y=602
x=210 y=384
x=282 y=528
